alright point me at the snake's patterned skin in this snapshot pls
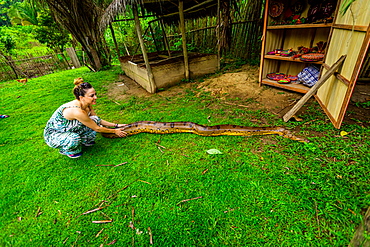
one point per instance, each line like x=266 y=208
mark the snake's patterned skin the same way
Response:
x=202 y=130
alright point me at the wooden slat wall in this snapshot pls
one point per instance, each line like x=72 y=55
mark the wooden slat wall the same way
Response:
x=334 y=95
x=298 y=37
x=274 y=41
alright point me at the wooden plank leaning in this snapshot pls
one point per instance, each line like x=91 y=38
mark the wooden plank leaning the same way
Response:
x=314 y=89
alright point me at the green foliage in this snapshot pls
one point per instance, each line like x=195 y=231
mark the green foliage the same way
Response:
x=48 y=32
x=365 y=104
x=4 y=8
x=23 y=13
x=7 y=43
x=346 y=4
x=24 y=40
x=262 y=190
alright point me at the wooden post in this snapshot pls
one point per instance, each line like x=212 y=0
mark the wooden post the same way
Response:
x=72 y=54
x=167 y=47
x=314 y=89
x=183 y=35
x=153 y=36
x=218 y=35
x=114 y=39
x=152 y=85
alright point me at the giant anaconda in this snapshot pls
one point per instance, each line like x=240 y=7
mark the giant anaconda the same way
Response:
x=202 y=130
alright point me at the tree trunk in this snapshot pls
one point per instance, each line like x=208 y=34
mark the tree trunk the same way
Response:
x=81 y=19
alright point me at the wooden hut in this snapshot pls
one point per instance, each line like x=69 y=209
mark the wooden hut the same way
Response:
x=163 y=69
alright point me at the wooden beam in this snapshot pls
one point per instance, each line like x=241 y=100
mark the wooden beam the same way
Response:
x=132 y=19
x=165 y=40
x=182 y=29
x=72 y=54
x=218 y=33
x=152 y=85
x=114 y=39
x=337 y=75
x=351 y=27
x=314 y=89
x=153 y=36
x=263 y=39
x=189 y=9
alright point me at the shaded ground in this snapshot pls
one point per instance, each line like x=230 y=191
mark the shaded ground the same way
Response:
x=242 y=86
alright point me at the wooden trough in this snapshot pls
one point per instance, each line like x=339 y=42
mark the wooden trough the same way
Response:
x=167 y=71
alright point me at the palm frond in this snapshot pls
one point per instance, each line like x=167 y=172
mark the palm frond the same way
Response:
x=345 y=6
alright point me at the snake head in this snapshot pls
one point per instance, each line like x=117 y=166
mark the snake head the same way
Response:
x=288 y=134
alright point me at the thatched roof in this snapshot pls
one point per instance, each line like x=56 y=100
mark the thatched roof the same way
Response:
x=166 y=9
x=169 y=11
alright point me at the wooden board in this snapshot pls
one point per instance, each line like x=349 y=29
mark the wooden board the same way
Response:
x=314 y=89
x=334 y=95
x=300 y=88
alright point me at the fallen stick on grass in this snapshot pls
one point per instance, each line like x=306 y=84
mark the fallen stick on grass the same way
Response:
x=143 y=181
x=114 y=165
x=150 y=236
x=94 y=210
x=160 y=146
x=65 y=240
x=105 y=215
x=97 y=235
x=160 y=149
x=118 y=192
x=121 y=164
x=186 y=200
x=113 y=242
x=38 y=213
x=101 y=221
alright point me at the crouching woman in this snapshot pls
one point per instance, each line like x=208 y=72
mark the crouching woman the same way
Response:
x=75 y=123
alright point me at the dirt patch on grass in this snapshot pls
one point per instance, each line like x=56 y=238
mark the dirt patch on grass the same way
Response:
x=241 y=88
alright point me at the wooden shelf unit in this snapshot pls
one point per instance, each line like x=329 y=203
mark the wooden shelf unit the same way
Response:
x=289 y=37
x=289 y=59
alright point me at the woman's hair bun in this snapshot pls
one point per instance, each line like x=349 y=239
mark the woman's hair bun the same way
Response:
x=78 y=81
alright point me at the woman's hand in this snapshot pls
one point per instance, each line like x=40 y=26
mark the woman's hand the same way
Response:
x=121 y=125
x=120 y=132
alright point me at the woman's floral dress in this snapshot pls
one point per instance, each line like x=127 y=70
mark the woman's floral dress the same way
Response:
x=68 y=135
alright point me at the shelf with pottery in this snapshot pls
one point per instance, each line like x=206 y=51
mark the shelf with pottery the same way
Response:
x=278 y=34
x=290 y=59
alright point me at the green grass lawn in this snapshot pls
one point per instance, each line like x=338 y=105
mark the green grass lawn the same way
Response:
x=261 y=191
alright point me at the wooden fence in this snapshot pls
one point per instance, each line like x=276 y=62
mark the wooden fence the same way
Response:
x=31 y=66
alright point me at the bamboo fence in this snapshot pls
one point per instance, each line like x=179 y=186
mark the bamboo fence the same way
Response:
x=30 y=66
x=246 y=25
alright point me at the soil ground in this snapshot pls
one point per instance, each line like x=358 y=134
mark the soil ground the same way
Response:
x=243 y=85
